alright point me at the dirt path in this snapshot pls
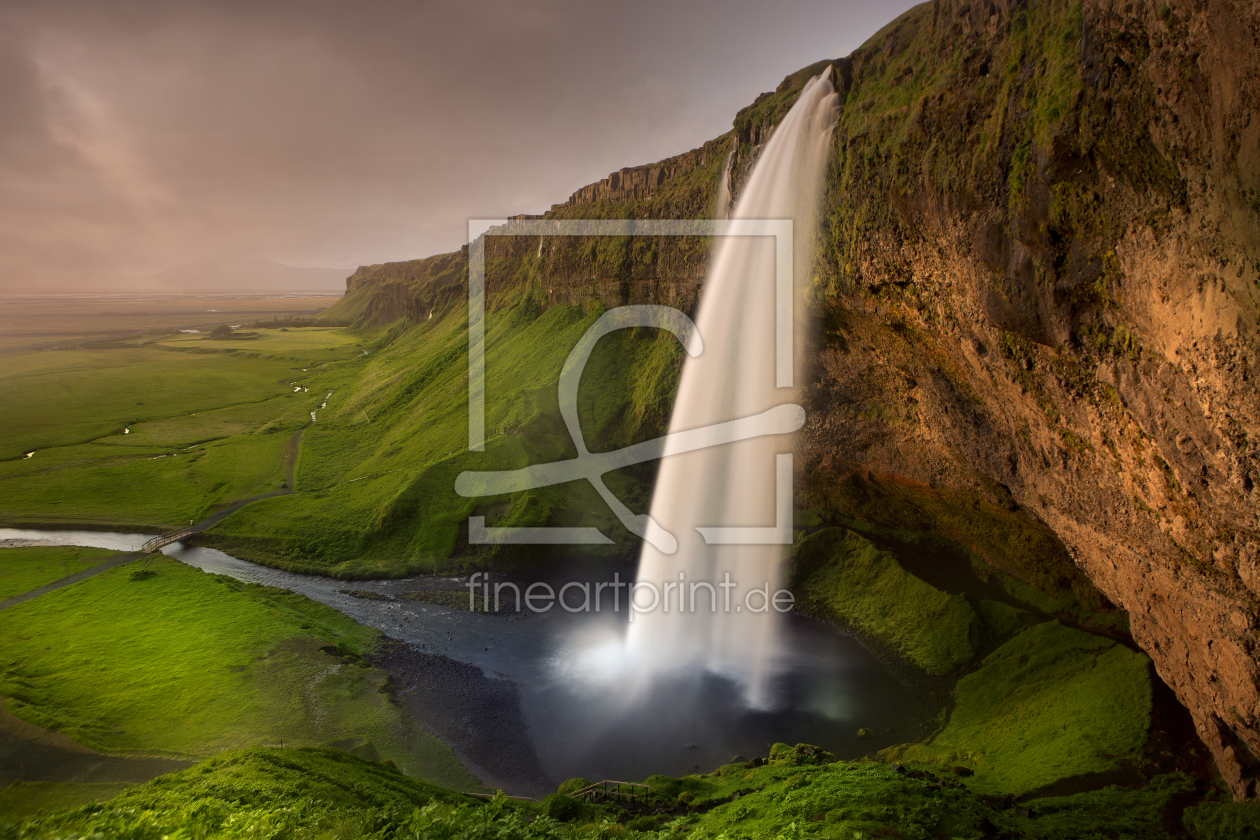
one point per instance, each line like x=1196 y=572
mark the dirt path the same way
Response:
x=291 y=451
x=33 y=754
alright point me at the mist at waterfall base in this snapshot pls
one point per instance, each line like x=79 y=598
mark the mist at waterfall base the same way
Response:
x=732 y=680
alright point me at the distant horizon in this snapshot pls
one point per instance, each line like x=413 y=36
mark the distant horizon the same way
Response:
x=203 y=276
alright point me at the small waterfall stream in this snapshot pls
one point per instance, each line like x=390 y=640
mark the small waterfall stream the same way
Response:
x=735 y=376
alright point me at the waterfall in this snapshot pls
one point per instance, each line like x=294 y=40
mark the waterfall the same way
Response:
x=724 y=189
x=734 y=484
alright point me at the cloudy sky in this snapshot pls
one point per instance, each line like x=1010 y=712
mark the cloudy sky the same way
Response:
x=137 y=135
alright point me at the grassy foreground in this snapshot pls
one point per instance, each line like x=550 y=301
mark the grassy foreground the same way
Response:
x=183 y=663
x=800 y=792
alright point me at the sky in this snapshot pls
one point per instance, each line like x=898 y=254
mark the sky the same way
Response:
x=137 y=136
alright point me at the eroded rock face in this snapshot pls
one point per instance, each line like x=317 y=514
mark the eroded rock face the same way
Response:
x=1070 y=314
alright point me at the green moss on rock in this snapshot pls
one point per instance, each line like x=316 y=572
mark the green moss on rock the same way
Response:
x=1000 y=620
x=841 y=575
x=1050 y=704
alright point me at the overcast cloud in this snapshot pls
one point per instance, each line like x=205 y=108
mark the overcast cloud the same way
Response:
x=136 y=136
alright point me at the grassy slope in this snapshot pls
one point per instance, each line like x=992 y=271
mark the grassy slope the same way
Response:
x=839 y=574
x=27 y=568
x=378 y=471
x=255 y=793
x=196 y=664
x=1224 y=821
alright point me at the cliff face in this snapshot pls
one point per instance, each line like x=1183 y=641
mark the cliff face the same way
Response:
x=1037 y=306
x=1042 y=275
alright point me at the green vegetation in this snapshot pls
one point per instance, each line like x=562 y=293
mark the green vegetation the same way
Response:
x=116 y=486
x=1050 y=704
x=26 y=568
x=184 y=425
x=1001 y=620
x=1224 y=820
x=324 y=794
x=841 y=575
x=61 y=398
x=196 y=664
x=259 y=793
x=279 y=342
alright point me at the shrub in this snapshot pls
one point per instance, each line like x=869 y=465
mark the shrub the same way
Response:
x=574 y=784
x=561 y=807
x=800 y=755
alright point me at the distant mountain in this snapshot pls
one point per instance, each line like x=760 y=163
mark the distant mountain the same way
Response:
x=202 y=276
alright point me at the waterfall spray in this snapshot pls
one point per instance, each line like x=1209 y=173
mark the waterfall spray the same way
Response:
x=734 y=484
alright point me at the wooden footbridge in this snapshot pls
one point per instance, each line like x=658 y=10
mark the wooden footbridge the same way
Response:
x=163 y=540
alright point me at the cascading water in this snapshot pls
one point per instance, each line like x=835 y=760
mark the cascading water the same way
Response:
x=734 y=484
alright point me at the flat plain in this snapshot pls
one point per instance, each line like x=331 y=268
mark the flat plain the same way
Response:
x=157 y=431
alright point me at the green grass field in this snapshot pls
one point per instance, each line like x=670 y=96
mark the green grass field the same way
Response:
x=148 y=438
x=295 y=342
x=117 y=487
x=195 y=664
x=26 y=568
x=61 y=397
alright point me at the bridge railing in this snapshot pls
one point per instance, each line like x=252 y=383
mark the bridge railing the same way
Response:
x=491 y=796
x=629 y=795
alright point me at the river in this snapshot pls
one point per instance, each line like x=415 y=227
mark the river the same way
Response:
x=826 y=684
